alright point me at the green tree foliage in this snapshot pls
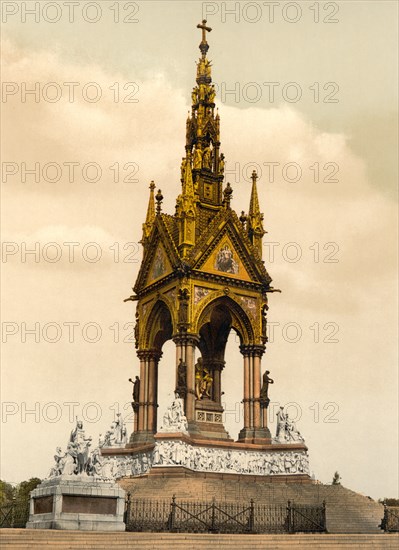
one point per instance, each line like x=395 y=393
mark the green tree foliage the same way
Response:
x=19 y=492
x=6 y=492
x=25 y=487
x=389 y=501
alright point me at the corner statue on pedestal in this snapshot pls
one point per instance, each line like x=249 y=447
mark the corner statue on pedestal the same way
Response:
x=78 y=481
x=75 y=460
x=116 y=436
x=287 y=431
x=78 y=447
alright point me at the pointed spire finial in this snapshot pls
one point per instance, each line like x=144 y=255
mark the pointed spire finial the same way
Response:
x=149 y=220
x=204 y=46
x=254 y=202
x=255 y=218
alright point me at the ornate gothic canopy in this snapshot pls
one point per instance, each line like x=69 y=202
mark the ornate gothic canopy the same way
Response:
x=202 y=275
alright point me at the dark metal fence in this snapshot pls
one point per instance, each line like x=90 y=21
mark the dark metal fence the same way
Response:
x=390 y=521
x=306 y=519
x=222 y=517
x=14 y=514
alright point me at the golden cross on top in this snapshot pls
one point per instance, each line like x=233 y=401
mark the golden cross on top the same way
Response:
x=204 y=29
x=254 y=176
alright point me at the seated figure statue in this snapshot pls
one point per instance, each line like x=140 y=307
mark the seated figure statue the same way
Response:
x=174 y=419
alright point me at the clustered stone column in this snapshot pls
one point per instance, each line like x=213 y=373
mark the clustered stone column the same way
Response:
x=185 y=350
x=218 y=366
x=255 y=420
x=146 y=415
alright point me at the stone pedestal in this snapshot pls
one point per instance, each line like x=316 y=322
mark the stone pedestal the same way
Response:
x=77 y=503
x=209 y=420
x=260 y=436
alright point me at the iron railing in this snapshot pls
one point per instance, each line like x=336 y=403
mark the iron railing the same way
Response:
x=306 y=519
x=390 y=521
x=222 y=517
x=14 y=514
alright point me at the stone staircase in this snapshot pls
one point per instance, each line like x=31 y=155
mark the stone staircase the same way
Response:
x=24 y=539
x=347 y=511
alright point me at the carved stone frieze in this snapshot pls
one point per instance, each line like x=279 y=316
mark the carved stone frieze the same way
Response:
x=171 y=453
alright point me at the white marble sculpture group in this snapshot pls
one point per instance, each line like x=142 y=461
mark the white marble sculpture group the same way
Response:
x=174 y=420
x=75 y=459
x=78 y=460
x=286 y=429
x=116 y=436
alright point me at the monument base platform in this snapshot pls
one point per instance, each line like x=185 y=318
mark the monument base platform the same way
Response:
x=184 y=473
x=77 y=503
x=197 y=454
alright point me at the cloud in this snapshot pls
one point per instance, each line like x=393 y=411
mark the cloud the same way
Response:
x=330 y=227
x=131 y=122
x=66 y=247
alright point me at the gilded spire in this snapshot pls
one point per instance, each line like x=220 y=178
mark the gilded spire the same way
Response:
x=205 y=92
x=255 y=218
x=203 y=131
x=254 y=210
x=149 y=221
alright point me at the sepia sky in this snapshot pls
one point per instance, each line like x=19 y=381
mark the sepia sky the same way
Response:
x=307 y=96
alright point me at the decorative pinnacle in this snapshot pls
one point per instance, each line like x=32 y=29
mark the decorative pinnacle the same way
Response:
x=204 y=46
x=255 y=226
x=227 y=195
x=254 y=211
x=147 y=226
x=159 y=199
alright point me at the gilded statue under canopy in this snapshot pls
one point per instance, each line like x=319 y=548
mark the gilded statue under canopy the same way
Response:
x=203 y=380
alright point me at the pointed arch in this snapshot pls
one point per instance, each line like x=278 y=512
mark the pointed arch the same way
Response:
x=222 y=311
x=158 y=327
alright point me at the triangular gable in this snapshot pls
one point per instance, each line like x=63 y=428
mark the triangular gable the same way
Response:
x=160 y=265
x=159 y=258
x=225 y=246
x=225 y=260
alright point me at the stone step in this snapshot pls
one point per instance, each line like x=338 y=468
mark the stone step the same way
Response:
x=19 y=539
